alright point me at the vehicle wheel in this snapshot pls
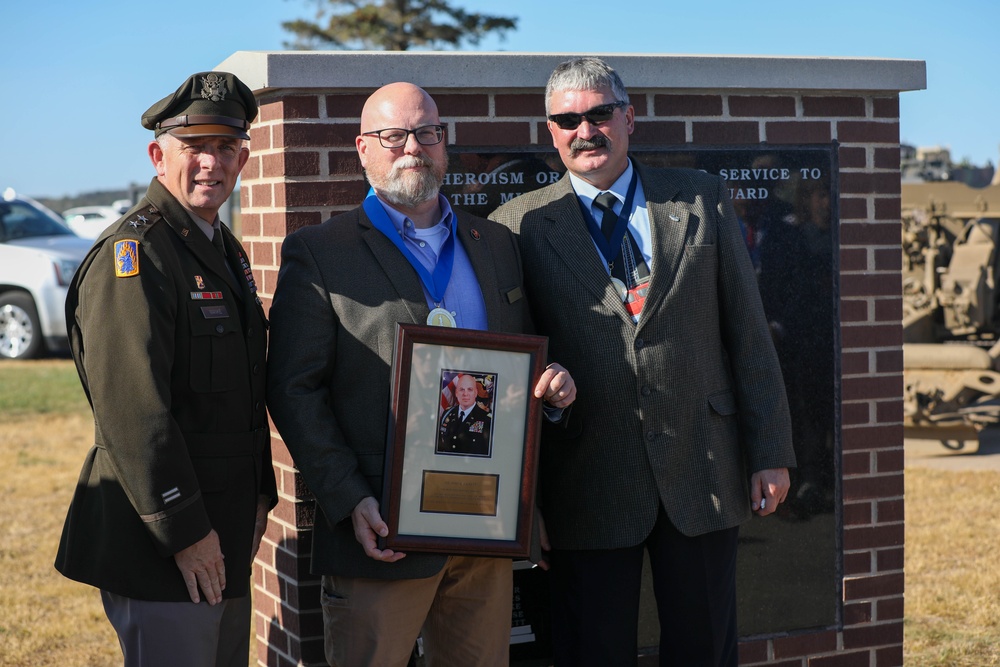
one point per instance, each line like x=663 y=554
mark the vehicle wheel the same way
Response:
x=20 y=331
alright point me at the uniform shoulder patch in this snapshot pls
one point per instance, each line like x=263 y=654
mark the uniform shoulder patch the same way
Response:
x=138 y=222
x=126 y=258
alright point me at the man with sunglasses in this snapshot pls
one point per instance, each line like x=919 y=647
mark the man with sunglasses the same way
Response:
x=403 y=256
x=640 y=278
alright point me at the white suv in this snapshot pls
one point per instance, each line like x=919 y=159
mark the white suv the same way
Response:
x=38 y=255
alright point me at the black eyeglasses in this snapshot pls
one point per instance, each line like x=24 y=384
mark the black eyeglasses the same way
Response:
x=396 y=137
x=595 y=116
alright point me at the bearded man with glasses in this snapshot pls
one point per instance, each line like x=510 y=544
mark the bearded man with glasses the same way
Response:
x=641 y=281
x=404 y=255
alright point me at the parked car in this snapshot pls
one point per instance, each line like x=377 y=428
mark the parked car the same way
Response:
x=121 y=205
x=90 y=221
x=38 y=256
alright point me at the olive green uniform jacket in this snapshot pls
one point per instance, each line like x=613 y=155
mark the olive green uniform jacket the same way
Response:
x=172 y=360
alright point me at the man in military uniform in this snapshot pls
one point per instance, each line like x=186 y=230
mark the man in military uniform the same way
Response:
x=465 y=428
x=169 y=341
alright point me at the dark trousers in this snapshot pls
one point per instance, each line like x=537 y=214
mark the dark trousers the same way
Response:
x=171 y=634
x=595 y=600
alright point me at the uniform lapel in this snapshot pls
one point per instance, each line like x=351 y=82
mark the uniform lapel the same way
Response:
x=397 y=269
x=249 y=296
x=179 y=220
x=571 y=241
x=233 y=259
x=668 y=221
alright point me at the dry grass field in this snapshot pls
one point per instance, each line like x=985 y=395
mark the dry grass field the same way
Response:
x=952 y=571
x=952 y=541
x=45 y=430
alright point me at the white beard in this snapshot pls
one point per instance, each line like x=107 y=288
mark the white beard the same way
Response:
x=409 y=190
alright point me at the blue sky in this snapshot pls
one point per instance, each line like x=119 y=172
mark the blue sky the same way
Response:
x=76 y=76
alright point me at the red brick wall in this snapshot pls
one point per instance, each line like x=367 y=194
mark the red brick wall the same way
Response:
x=303 y=168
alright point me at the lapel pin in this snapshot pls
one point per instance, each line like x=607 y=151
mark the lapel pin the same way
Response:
x=475 y=233
x=674 y=218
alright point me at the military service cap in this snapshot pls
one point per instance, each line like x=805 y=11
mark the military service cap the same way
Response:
x=208 y=104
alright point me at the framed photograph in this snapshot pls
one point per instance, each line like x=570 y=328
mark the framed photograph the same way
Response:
x=462 y=454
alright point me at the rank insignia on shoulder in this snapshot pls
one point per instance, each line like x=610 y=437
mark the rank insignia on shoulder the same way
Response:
x=126 y=258
x=138 y=222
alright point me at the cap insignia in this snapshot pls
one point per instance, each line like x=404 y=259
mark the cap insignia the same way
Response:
x=213 y=87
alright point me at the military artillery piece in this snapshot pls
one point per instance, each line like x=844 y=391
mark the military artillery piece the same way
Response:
x=951 y=323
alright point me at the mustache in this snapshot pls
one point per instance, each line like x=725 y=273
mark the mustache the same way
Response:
x=410 y=161
x=596 y=141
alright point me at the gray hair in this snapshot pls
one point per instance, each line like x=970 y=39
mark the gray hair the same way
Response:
x=584 y=74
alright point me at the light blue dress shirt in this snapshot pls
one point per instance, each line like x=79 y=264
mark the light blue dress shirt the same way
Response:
x=638 y=221
x=463 y=298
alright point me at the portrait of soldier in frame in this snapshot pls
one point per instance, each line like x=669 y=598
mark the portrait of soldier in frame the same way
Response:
x=465 y=427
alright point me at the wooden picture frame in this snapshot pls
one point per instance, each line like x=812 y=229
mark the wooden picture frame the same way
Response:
x=460 y=473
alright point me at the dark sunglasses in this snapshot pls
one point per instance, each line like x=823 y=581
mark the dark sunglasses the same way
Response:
x=595 y=116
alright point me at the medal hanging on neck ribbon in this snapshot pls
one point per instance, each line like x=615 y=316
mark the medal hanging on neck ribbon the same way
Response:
x=611 y=248
x=434 y=283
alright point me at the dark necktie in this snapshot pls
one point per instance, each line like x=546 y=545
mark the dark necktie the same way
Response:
x=605 y=202
x=221 y=247
x=217 y=242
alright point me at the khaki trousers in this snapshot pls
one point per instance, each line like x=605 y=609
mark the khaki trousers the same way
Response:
x=463 y=613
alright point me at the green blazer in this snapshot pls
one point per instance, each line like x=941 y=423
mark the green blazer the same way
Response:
x=172 y=360
x=342 y=288
x=678 y=408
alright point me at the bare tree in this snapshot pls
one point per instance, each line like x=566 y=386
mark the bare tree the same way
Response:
x=392 y=25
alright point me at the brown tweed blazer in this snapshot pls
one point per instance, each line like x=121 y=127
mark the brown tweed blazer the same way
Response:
x=679 y=408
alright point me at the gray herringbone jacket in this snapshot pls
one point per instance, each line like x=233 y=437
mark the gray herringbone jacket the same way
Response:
x=681 y=407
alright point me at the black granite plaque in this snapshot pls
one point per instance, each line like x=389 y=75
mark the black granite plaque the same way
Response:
x=789 y=567
x=530 y=639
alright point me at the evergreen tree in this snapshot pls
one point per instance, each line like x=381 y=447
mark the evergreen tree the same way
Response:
x=392 y=25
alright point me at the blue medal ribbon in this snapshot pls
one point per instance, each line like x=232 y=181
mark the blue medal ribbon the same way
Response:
x=435 y=283
x=610 y=249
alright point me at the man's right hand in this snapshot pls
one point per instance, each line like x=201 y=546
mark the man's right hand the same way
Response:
x=368 y=525
x=202 y=566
